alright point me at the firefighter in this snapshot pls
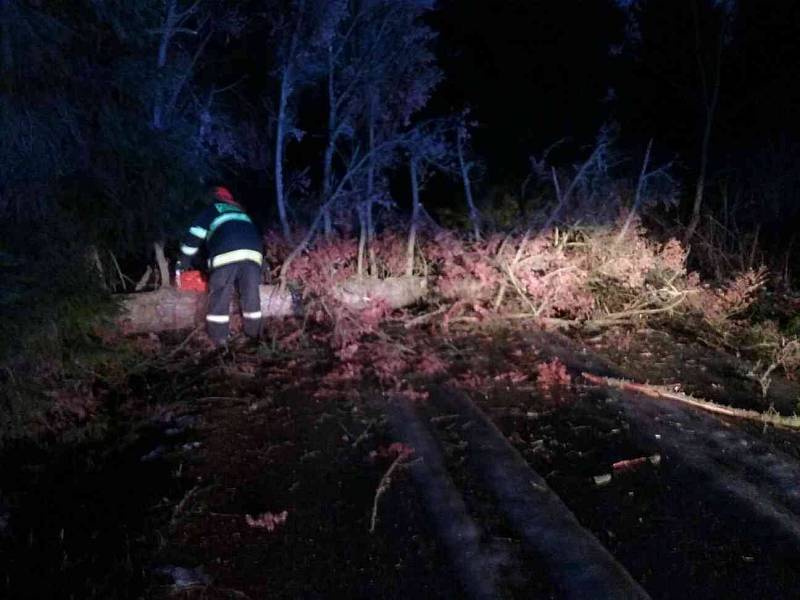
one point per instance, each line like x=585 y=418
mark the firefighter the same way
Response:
x=235 y=254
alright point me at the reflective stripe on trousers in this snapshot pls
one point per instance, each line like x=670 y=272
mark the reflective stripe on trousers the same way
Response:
x=218 y=318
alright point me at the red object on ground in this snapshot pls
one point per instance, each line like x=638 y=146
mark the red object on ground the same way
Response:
x=192 y=281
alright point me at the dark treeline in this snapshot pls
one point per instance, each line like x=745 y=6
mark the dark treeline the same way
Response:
x=334 y=113
x=541 y=73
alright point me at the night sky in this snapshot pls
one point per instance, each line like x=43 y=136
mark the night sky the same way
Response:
x=539 y=71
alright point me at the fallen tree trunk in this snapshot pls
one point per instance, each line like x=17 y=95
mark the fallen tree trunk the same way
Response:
x=397 y=292
x=170 y=309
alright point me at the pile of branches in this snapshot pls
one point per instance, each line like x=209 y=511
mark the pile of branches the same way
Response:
x=593 y=276
x=590 y=276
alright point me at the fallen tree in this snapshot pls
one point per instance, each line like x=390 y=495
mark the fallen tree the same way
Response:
x=169 y=309
x=590 y=278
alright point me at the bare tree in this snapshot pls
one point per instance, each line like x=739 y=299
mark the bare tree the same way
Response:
x=710 y=73
x=427 y=149
x=178 y=20
x=283 y=122
x=302 y=34
x=383 y=72
x=683 y=44
x=465 y=168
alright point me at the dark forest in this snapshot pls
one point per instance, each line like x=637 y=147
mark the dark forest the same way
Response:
x=379 y=298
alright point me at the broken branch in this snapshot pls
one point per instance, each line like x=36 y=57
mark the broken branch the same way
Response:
x=653 y=391
x=384 y=484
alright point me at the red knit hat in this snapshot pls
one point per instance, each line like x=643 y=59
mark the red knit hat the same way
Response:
x=223 y=194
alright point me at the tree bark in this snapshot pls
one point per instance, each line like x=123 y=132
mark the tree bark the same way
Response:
x=98 y=265
x=474 y=216
x=161 y=261
x=171 y=309
x=287 y=83
x=370 y=223
x=140 y=285
x=710 y=91
x=412 y=231
x=638 y=198
x=280 y=134
x=167 y=31
x=362 y=238
x=700 y=185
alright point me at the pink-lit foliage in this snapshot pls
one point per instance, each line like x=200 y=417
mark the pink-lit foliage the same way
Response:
x=390 y=253
x=350 y=325
x=430 y=363
x=720 y=304
x=556 y=282
x=552 y=377
x=392 y=451
x=569 y=274
x=269 y=521
x=463 y=268
x=381 y=362
x=472 y=381
x=388 y=366
x=513 y=376
x=329 y=263
x=320 y=271
x=553 y=274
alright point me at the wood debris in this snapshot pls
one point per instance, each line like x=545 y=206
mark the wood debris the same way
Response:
x=656 y=391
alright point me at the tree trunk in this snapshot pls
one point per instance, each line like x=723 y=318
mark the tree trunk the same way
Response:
x=710 y=92
x=412 y=231
x=638 y=198
x=327 y=224
x=161 y=261
x=787 y=257
x=700 y=185
x=370 y=223
x=279 y=143
x=327 y=166
x=98 y=265
x=474 y=216
x=167 y=31
x=142 y=283
x=330 y=148
x=170 y=309
x=362 y=238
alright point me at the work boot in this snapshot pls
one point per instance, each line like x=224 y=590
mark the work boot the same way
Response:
x=208 y=344
x=243 y=342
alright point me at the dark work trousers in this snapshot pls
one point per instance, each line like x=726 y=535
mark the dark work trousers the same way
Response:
x=245 y=276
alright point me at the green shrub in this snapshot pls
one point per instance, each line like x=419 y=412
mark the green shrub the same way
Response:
x=51 y=303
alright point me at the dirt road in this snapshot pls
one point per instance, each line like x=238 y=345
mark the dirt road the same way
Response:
x=262 y=474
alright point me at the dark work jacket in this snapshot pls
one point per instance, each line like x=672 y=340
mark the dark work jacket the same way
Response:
x=228 y=233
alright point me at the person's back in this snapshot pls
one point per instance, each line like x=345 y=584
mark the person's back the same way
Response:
x=234 y=249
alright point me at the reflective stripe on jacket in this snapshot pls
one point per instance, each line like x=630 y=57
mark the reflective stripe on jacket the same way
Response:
x=229 y=235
